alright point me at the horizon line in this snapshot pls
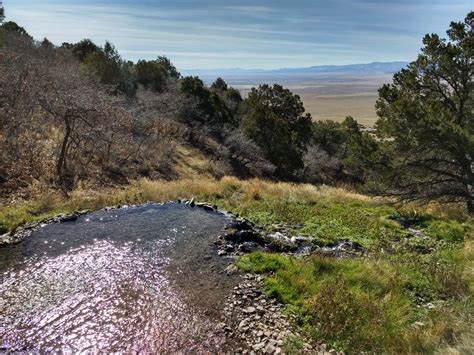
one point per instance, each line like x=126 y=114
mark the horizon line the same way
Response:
x=302 y=67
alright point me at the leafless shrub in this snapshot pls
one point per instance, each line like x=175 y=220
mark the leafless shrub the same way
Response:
x=320 y=167
x=246 y=157
x=59 y=124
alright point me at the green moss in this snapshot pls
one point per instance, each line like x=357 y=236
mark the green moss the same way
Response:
x=293 y=345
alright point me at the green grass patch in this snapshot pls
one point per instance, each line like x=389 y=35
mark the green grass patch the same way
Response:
x=366 y=304
x=448 y=231
x=327 y=220
x=326 y=214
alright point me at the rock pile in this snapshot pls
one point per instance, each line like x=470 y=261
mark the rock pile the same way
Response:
x=257 y=322
x=243 y=237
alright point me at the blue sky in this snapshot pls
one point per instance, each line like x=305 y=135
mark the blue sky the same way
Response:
x=245 y=34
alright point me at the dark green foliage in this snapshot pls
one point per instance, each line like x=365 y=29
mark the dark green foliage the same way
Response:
x=192 y=85
x=363 y=155
x=151 y=75
x=276 y=122
x=340 y=152
x=14 y=27
x=426 y=120
x=210 y=107
x=231 y=97
x=67 y=45
x=83 y=49
x=154 y=74
x=330 y=136
x=46 y=44
x=169 y=68
x=128 y=84
x=219 y=85
x=105 y=64
x=2 y=14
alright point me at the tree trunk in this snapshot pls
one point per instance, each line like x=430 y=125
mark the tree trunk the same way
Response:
x=470 y=206
x=61 y=163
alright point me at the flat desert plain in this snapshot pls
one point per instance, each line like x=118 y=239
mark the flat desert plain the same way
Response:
x=326 y=96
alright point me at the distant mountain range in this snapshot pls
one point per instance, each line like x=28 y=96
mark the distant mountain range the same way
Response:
x=370 y=68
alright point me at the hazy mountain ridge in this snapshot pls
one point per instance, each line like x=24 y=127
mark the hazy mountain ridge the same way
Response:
x=368 y=68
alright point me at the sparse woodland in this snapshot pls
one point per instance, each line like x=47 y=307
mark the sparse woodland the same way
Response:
x=80 y=114
x=64 y=122
x=82 y=128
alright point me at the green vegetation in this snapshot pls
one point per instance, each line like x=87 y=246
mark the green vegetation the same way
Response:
x=339 y=152
x=426 y=123
x=358 y=304
x=78 y=119
x=155 y=74
x=389 y=304
x=263 y=202
x=293 y=345
x=98 y=118
x=326 y=214
x=211 y=108
x=277 y=123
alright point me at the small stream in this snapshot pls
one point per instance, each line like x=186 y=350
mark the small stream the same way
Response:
x=143 y=278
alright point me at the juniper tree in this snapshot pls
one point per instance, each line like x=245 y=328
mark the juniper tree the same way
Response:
x=426 y=120
x=277 y=123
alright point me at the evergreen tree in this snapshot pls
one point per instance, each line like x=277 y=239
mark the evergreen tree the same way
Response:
x=276 y=122
x=426 y=120
x=2 y=13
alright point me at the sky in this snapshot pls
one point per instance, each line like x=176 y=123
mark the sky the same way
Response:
x=267 y=34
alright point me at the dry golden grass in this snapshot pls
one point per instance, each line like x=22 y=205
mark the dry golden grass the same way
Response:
x=338 y=107
x=331 y=96
x=201 y=188
x=190 y=162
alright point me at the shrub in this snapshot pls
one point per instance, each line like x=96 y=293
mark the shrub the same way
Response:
x=293 y=345
x=345 y=319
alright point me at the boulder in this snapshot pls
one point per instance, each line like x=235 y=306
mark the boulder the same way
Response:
x=248 y=247
x=239 y=225
x=259 y=346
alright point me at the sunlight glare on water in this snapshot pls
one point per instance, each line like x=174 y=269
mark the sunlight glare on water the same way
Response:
x=139 y=279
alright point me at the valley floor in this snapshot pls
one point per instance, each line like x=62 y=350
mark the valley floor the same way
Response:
x=410 y=292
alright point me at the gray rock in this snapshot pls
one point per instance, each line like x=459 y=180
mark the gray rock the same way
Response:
x=69 y=218
x=270 y=349
x=249 y=310
x=231 y=269
x=279 y=236
x=243 y=323
x=258 y=346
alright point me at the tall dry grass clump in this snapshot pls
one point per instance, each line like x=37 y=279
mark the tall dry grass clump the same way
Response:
x=228 y=192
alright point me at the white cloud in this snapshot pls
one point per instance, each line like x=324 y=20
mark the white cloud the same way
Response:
x=274 y=34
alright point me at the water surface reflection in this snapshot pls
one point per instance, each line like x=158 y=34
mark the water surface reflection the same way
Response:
x=139 y=279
